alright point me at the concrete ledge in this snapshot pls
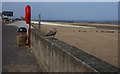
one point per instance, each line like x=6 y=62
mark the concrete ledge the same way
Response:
x=57 y=56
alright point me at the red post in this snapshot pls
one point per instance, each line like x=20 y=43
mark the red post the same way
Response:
x=28 y=19
x=29 y=33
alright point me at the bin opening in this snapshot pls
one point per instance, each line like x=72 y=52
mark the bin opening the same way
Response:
x=22 y=29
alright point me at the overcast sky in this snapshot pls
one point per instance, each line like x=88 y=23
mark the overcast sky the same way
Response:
x=97 y=11
x=60 y=0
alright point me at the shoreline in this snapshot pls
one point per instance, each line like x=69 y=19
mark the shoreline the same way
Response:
x=101 y=26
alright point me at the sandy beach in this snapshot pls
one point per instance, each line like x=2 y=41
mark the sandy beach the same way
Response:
x=102 y=43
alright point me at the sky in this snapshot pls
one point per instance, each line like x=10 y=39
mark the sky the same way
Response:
x=93 y=11
x=60 y=0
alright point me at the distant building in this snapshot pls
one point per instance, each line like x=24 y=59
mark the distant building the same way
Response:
x=7 y=15
x=0 y=16
x=22 y=18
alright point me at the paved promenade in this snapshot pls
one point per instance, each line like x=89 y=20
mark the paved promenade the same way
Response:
x=16 y=58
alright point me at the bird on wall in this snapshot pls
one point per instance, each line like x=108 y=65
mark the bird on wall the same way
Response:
x=52 y=32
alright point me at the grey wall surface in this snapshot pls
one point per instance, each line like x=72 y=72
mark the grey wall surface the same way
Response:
x=57 y=56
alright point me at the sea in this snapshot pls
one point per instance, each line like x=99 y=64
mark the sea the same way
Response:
x=91 y=22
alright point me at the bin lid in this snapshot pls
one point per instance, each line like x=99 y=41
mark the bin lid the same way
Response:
x=22 y=29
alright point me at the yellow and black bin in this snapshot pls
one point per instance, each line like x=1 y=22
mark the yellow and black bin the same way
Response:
x=22 y=36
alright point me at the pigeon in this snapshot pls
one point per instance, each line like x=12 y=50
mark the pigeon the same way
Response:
x=52 y=32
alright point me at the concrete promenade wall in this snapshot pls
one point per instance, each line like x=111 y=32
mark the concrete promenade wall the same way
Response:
x=57 y=56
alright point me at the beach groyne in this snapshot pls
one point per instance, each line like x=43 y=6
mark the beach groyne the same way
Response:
x=57 y=56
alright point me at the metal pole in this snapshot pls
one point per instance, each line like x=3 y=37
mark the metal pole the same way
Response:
x=39 y=23
x=29 y=33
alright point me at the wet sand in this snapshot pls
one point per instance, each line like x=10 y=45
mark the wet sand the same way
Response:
x=102 y=43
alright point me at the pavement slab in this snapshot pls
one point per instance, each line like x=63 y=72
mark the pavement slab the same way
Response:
x=16 y=58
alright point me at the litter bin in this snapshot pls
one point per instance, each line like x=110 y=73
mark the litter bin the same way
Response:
x=22 y=36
